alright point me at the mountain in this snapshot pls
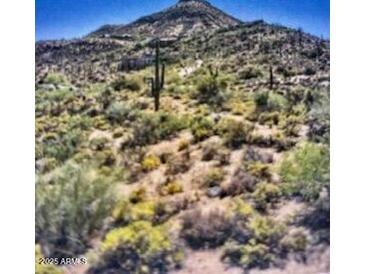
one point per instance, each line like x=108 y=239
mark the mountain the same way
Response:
x=231 y=174
x=189 y=29
x=182 y=19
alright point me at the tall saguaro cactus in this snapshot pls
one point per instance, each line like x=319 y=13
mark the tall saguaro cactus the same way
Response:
x=157 y=83
x=271 y=77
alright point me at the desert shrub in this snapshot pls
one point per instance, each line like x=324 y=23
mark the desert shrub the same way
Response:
x=202 y=128
x=291 y=125
x=295 y=241
x=250 y=72
x=99 y=143
x=319 y=118
x=171 y=188
x=259 y=170
x=126 y=212
x=105 y=157
x=151 y=162
x=270 y=101
x=138 y=195
x=212 y=90
x=71 y=205
x=178 y=164
x=55 y=78
x=241 y=182
x=254 y=155
x=119 y=113
x=215 y=151
x=235 y=133
x=309 y=71
x=118 y=133
x=269 y=118
x=133 y=83
x=212 y=178
x=183 y=145
x=286 y=72
x=138 y=208
x=62 y=146
x=155 y=127
x=305 y=171
x=138 y=248
x=261 y=98
x=43 y=268
x=277 y=140
x=256 y=255
x=265 y=195
x=205 y=230
x=46 y=164
x=296 y=96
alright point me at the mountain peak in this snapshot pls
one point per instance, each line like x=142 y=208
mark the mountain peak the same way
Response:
x=184 y=18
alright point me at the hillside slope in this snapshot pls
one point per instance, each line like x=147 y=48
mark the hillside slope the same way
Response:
x=231 y=175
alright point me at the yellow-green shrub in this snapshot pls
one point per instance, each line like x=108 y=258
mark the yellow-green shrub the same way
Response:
x=126 y=212
x=265 y=195
x=235 y=133
x=151 y=162
x=213 y=177
x=138 y=248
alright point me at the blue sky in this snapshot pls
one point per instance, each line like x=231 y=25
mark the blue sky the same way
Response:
x=57 y=19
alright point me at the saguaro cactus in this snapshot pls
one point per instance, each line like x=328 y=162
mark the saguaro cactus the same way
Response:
x=271 y=78
x=157 y=83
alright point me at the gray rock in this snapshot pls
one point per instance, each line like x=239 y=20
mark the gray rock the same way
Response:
x=214 y=192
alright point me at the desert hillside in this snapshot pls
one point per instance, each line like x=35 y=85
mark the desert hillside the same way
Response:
x=230 y=175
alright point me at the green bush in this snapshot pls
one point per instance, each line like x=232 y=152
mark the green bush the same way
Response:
x=250 y=72
x=202 y=128
x=55 y=78
x=213 y=177
x=119 y=113
x=138 y=248
x=270 y=101
x=62 y=146
x=265 y=195
x=305 y=171
x=212 y=90
x=71 y=205
x=132 y=83
x=154 y=127
x=319 y=118
x=235 y=133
